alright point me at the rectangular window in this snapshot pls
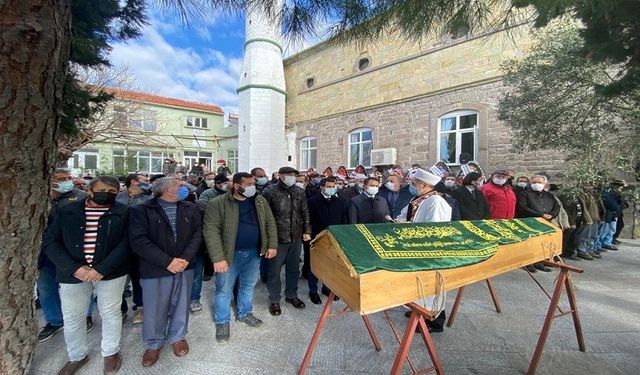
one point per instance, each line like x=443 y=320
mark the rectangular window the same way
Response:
x=85 y=159
x=308 y=153
x=197 y=122
x=360 y=145
x=232 y=160
x=458 y=135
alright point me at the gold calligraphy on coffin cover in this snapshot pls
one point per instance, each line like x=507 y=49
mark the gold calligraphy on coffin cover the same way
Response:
x=345 y=261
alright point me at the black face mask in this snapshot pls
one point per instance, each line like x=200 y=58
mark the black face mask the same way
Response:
x=103 y=198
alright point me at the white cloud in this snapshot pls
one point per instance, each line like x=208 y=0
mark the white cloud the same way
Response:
x=206 y=75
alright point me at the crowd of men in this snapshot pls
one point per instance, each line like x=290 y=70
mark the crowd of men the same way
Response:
x=166 y=235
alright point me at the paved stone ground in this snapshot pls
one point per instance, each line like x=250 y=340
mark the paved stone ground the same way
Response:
x=480 y=342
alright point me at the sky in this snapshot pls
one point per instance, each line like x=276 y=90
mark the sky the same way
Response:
x=198 y=60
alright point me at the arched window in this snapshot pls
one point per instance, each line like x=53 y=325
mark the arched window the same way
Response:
x=360 y=144
x=458 y=134
x=308 y=153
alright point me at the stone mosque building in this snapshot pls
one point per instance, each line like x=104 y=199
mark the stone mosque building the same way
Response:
x=392 y=102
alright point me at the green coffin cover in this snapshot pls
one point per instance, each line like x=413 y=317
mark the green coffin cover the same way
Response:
x=430 y=246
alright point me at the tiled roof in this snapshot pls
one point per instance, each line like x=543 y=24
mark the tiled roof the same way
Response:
x=161 y=100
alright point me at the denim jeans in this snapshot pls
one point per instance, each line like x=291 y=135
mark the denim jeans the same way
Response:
x=245 y=268
x=593 y=237
x=289 y=256
x=76 y=299
x=50 y=297
x=582 y=238
x=608 y=230
x=597 y=242
x=196 y=289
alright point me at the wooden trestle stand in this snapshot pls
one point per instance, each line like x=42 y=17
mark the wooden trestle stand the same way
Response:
x=377 y=291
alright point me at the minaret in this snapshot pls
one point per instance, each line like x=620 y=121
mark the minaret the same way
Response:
x=261 y=140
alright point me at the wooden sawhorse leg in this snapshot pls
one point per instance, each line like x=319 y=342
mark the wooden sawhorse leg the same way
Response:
x=564 y=282
x=418 y=315
x=326 y=313
x=456 y=304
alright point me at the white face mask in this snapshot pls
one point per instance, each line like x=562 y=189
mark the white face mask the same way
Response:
x=522 y=184
x=390 y=185
x=449 y=183
x=299 y=184
x=224 y=187
x=371 y=190
x=210 y=183
x=499 y=181
x=261 y=181
x=289 y=180
x=537 y=187
x=249 y=191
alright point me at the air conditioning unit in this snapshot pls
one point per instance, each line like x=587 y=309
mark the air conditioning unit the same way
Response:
x=383 y=156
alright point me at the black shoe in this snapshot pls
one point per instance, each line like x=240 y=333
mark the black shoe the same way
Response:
x=48 y=331
x=315 y=298
x=274 y=309
x=617 y=242
x=542 y=267
x=296 y=302
x=222 y=332
x=327 y=293
x=610 y=247
x=89 y=324
x=531 y=268
x=596 y=255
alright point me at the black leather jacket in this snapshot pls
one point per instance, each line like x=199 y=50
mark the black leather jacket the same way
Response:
x=289 y=206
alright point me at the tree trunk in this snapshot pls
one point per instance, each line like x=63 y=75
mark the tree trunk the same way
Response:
x=34 y=45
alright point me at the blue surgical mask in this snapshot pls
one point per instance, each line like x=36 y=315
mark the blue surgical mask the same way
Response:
x=413 y=190
x=261 y=181
x=182 y=193
x=144 y=186
x=64 y=187
x=249 y=191
x=330 y=191
x=289 y=180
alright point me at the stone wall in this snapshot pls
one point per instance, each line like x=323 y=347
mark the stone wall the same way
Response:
x=411 y=127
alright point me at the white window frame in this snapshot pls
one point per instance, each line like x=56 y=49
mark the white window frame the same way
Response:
x=81 y=154
x=197 y=122
x=305 y=146
x=361 y=144
x=232 y=160
x=458 y=132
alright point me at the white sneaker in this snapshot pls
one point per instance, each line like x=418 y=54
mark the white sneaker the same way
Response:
x=195 y=306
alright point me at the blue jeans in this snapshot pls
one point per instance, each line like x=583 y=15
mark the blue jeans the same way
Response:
x=597 y=243
x=196 y=290
x=50 y=297
x=245 y=268
x=76 y=299
x=608 y=230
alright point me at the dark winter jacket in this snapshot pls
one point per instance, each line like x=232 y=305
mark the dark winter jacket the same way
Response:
x=64 y=242
x=535 y=204
x=576 y=209
x=347 y=193
x=403 y=198
x=455 y=206
x=68 y=197
x=152 y=238
x=289 y=207
x=367 y=210
x=471 y=204
x=613 y=206
x=325 y=212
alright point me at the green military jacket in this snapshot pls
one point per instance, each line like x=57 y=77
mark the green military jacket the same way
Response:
x=220 y=229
